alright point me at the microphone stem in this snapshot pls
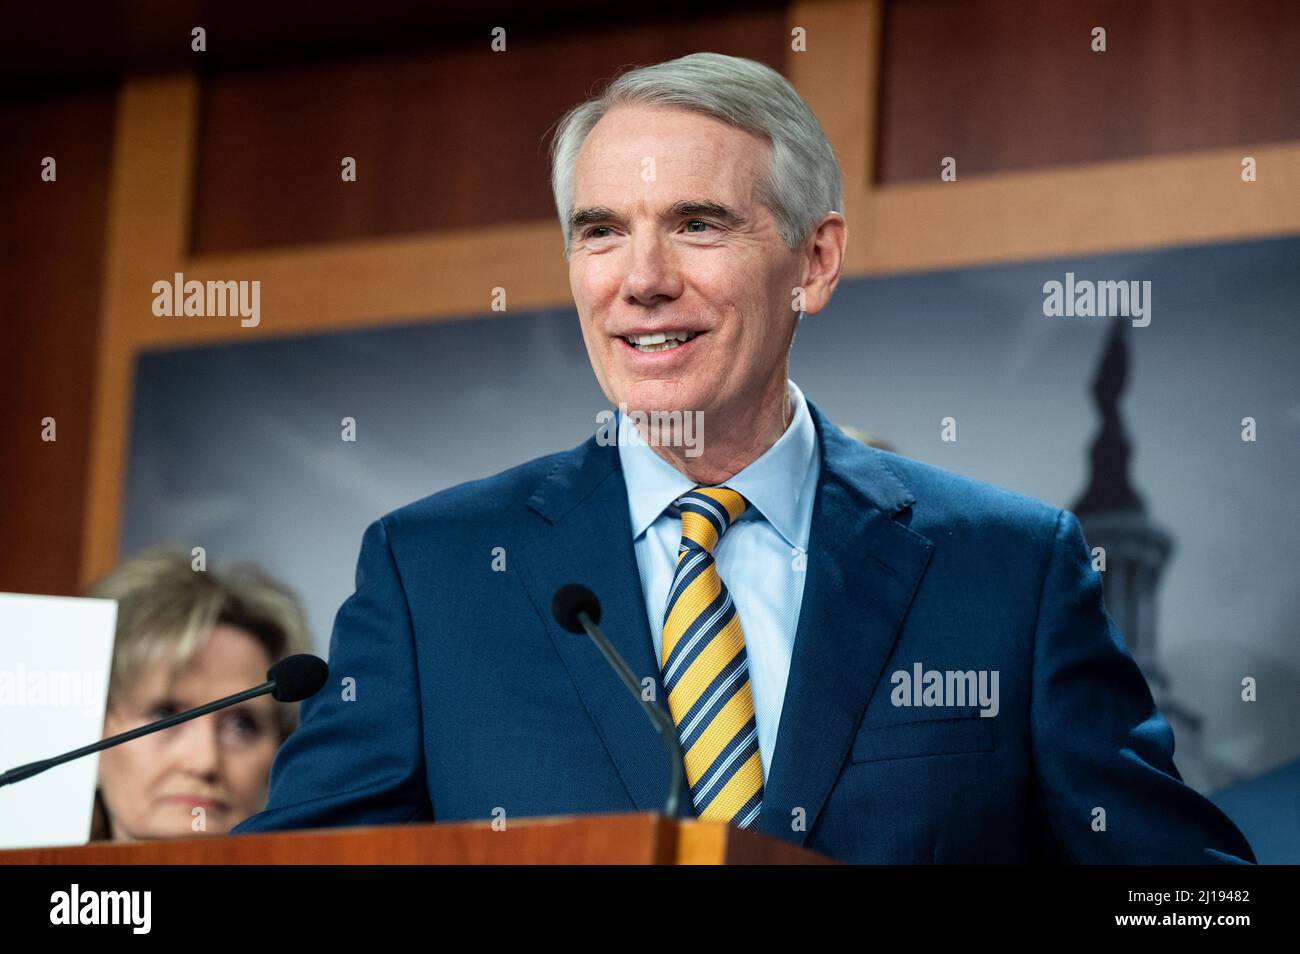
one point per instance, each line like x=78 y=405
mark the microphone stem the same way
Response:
x=665 y=727
x=35 y=768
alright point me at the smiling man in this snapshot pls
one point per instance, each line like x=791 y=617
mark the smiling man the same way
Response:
x=865 y=655
x=681 y=274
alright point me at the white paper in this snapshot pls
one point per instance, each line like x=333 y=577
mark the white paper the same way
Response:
x=56 y=654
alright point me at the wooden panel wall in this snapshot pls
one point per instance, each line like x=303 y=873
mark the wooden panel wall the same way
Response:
x=236 y=173
x=51 y=249
x=1014 y=84
x=455 y=137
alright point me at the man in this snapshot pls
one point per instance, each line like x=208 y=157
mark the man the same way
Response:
x=865 y=655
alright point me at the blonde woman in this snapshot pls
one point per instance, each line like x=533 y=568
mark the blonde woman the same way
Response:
x=184 y=638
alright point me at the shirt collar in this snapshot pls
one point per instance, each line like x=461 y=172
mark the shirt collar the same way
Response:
x=779 y=485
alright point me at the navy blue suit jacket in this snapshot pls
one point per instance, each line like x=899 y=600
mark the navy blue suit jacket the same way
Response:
x=469 y=697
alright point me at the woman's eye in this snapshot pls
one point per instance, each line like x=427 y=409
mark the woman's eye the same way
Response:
x=162 y=710
x=244 y=727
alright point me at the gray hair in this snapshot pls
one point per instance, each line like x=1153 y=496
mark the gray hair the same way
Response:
x=166 y=610
x=802 y=182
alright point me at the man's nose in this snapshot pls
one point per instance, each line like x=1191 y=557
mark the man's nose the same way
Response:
x=652 y=274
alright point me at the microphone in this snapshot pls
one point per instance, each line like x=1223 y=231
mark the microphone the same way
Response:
x=291 y=679
x=577 y=609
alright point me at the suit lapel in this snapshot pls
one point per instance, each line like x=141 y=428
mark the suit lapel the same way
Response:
x=588 y=540
x=863 y=571
x=864 y=567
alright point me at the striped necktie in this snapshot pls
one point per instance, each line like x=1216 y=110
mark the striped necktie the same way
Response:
x=706 y=671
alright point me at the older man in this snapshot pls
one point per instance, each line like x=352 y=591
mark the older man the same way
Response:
x=869 y=656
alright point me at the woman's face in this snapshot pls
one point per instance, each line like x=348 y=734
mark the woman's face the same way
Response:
x=204 y=775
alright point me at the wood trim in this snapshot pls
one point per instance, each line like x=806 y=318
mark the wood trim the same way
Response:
x=700 y=844
x=629 y=839
x=1187 y=198
x=1180 y=199
x=148 y=221
x=837 y=78
x=381 y=282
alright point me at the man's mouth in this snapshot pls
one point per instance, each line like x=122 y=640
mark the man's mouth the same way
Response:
x=659 y=341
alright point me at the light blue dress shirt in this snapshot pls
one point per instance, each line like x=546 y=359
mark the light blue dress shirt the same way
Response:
x=762 y=558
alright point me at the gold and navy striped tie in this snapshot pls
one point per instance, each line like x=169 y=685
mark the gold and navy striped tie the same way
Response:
x=706 y=671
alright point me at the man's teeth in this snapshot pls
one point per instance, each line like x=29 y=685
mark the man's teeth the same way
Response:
x=659 y=341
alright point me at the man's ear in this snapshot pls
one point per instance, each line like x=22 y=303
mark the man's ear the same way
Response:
x=824 y=261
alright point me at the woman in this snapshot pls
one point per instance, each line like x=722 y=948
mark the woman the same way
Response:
x=185 y=638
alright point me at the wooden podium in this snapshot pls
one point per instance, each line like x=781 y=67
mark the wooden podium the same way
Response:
x=625 y=839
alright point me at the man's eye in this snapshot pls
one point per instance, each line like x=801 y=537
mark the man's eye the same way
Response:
x=595 y=228
x=699 y=222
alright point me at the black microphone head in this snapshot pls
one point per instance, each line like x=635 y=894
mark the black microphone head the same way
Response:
x=297 y=677
x=570 y=600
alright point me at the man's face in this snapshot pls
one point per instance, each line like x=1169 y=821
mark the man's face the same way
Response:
x=674 y=241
